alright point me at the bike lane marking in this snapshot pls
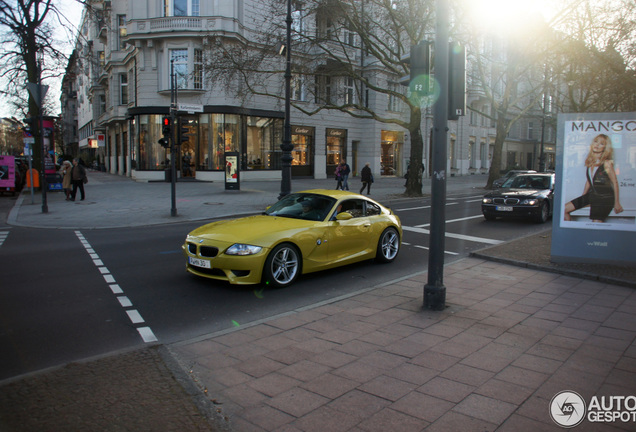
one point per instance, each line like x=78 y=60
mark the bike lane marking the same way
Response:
x=133 y=314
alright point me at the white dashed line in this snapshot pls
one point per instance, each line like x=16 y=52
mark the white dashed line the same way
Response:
x=3 y=236
x=135 y=317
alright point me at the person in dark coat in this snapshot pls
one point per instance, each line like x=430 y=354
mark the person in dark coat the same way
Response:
x=78 y=178
x=367 y=178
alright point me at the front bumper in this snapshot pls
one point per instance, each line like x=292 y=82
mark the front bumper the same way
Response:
x=238 y=270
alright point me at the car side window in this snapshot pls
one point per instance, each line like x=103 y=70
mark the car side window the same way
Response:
x=354 y=207
x=373 y=209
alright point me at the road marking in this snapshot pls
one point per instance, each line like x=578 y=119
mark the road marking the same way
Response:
x=147 y=335
x=145 y=332
x=453 y=235
x=422 y=207
x=3 y=236
x=453 y=220
x=135 y=316
x=446 y=252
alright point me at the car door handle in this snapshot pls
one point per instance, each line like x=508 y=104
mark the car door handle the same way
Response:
x=367 y=225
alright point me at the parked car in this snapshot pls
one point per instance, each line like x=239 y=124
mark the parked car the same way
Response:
x=524 y=196
x=302 y=233
x=510 y=174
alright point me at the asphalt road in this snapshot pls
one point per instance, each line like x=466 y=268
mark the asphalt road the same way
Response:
x=76 y=294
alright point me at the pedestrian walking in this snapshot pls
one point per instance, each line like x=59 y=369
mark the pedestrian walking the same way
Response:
x=339 y=176
x=344 y=172
x=367 y=178
x=65 y=172
x=78 y=179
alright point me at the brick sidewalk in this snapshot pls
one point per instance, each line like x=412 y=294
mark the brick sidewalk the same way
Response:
x=509 y=340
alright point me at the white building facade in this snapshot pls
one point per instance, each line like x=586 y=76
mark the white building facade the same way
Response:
x=127 y=52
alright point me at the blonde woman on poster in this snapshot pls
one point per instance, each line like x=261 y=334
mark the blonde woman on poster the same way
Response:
x=601 y=192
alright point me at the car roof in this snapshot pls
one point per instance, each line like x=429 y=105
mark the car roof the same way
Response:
x=337 y=194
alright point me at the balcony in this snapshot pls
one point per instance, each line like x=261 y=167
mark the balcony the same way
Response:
x=140 y=29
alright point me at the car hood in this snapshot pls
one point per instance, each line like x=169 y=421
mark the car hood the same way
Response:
x=516 y=192
x=252 y=229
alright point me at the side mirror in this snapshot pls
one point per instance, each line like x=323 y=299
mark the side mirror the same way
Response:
x=343 y=216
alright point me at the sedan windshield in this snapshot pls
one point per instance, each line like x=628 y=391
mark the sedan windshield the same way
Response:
x=303 y=206
x=528 y=182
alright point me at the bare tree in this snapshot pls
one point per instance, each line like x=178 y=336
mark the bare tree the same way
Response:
x=362 y=42
x=29 y=53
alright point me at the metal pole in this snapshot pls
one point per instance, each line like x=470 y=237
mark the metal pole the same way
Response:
x=173 y=152
x=545 y=90
x=45 y=207
x=434 y=290
x=286 y=146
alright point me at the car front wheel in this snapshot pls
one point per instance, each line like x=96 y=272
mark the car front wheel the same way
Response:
x=388 y=245
x=544 y=213
x=282 y=266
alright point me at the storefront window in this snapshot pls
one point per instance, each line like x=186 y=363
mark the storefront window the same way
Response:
x=261 y=151
x=151 y=155
x=392 y=142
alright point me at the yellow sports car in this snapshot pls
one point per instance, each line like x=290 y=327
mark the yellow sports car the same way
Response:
x=302 y=233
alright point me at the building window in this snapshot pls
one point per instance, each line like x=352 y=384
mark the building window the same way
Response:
x=181 y=8
x=123 y=89
x=102 y=104
x=349 y=91
x=298 y=89
x=122 y=31
x=179 y=61
x=198 y=69
x=530 y=130
x=298 y=27
x=394 y=101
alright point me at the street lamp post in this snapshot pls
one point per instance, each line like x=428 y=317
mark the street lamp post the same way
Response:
x=287 y=146
x=434 y=290
x=173 y=144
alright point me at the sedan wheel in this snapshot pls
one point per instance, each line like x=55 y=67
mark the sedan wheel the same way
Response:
x=544 y=213
x=388 y=245
x=282 y=266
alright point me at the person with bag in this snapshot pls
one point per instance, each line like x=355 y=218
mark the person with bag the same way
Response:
x=65 y=172
x=367 y=178
x=78 y=179
x=339 y=170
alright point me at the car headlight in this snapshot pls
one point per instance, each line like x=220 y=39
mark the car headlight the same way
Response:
x=242 y=249
x=529 y=201
x=487 y=201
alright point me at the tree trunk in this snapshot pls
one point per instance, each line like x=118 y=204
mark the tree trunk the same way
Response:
x=495 y=167
x=416 y=168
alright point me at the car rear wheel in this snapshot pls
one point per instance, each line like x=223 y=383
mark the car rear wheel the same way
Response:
x=544 y=213
x=388 y=245
x=282 y=266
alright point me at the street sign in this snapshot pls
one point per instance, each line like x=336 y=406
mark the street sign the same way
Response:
x=38 y=91
x=189 y=107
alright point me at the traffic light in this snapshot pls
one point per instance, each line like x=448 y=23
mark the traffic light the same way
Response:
x=456 y=81
x=419 y=80
x=29 y=123
x=166 y=126
x=184 y=130
x=165 y=143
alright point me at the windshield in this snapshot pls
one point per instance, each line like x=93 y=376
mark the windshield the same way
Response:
x=528 y=182
x=302 y=206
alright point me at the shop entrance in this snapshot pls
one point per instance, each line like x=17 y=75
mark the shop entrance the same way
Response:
x=391 y=153
x=303 y=152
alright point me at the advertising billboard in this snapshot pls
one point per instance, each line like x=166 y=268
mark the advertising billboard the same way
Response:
x=595 y=198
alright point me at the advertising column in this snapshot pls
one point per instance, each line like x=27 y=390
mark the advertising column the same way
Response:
x=594 y=217
x=232 y=178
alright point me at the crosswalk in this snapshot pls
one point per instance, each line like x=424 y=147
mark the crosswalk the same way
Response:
x=3 y=236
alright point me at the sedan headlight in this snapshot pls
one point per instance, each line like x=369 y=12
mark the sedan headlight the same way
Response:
x=487 y=201
x=243 y=249
x=529 y=201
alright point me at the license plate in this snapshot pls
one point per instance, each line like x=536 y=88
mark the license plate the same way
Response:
x=504 y=208
x=199 y=262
